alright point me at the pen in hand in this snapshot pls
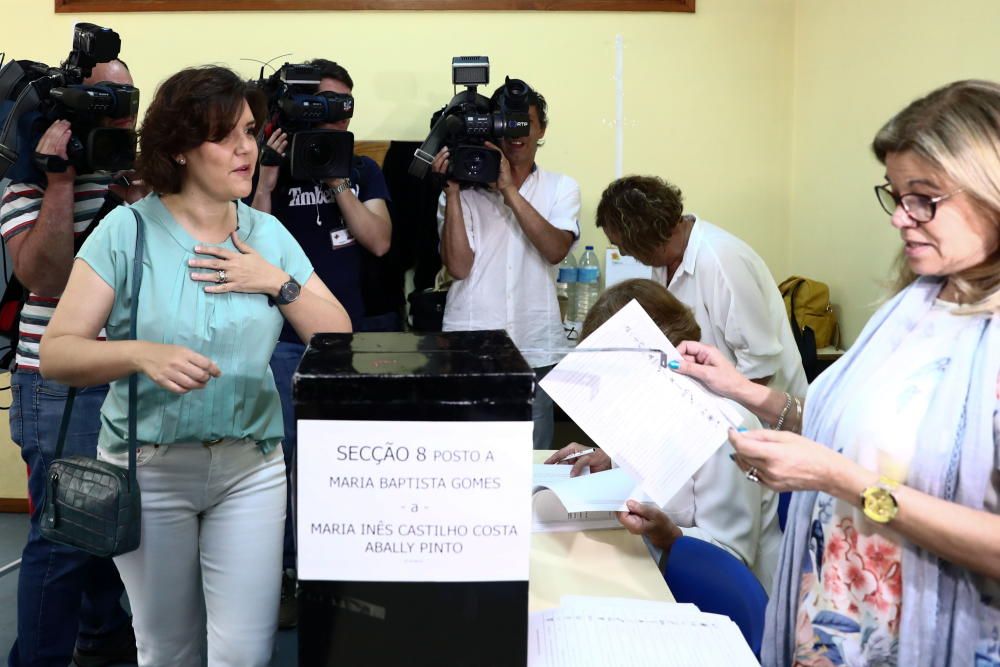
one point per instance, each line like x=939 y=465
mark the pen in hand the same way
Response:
x=577 y=455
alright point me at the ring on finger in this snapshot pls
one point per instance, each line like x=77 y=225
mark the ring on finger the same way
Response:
x=222 y=277
x=751 y=474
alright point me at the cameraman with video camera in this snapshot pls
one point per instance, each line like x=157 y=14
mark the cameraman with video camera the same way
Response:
x=68 y=602
x=334 y=220
x=501 y=244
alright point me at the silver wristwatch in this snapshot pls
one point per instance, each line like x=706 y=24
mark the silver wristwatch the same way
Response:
x=346 y=184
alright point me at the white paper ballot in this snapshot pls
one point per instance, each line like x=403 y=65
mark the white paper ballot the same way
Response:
x=542 y=474
x=660 y=427
x=587 y=502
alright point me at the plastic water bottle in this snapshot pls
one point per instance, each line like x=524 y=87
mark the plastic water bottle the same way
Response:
x=566 y=288
x=588 y=283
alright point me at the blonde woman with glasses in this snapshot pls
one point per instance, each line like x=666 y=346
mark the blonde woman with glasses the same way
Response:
x=891 y=553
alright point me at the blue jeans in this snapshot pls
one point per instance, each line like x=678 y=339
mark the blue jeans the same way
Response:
x=65 y=597
x=284 y=361
x=385 y=322
x=542 y=413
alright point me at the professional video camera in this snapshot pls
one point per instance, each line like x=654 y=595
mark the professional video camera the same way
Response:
x=297 y=108
x=33 y=95
x=470 y=120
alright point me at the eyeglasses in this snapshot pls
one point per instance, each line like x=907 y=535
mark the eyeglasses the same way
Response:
x=919 y=208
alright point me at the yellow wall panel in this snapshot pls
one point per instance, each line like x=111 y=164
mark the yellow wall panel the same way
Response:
x=760 y=110
x=857 y=63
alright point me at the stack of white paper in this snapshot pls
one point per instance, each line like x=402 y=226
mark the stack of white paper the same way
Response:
x=586 y=632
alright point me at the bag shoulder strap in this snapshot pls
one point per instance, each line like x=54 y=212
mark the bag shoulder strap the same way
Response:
x=790 y=283
x=133 y=380
x=796 y=330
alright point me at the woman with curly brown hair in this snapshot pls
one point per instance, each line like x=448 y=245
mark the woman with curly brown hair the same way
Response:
x=219 y=279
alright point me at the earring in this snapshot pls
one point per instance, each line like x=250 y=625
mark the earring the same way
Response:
x=181 y=161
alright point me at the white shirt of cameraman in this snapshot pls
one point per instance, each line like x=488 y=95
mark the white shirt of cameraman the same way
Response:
x=511 y=285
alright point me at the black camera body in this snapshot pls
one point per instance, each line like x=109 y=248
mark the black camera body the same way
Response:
x=35 y=95
x=296 y=107
x=469 y=120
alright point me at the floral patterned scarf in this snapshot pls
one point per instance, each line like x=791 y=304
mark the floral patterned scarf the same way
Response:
x=941 y=605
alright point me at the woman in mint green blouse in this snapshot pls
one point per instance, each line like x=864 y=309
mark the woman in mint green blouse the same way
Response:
x=219 y=279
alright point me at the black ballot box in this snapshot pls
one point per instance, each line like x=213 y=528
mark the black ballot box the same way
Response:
x=413 y=500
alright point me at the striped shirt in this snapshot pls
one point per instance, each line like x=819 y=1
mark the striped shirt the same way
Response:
x=19 y=210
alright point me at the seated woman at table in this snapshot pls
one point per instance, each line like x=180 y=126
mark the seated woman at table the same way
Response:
x=718 y=504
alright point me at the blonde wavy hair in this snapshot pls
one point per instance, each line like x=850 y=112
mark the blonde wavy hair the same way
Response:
x=956 y=129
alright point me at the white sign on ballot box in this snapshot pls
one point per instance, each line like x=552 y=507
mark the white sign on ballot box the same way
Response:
x=413 y=501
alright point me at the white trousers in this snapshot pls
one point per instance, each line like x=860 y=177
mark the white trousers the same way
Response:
x=212 y=525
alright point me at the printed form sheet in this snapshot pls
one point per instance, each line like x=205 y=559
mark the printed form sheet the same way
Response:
x=659 y=426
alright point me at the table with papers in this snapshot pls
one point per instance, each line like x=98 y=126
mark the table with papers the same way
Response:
x=589 y=631
x=593 y=562
x=597 y=598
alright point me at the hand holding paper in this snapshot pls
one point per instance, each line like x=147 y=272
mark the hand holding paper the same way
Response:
x=588 y=502
x=649 y=520
x=581 y=458
x=660 y=427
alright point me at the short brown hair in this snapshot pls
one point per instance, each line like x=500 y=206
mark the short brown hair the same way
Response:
x=675 y=320
x=191 y=107
x=328 y=69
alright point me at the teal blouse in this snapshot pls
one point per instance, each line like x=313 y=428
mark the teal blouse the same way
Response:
x=237 y=331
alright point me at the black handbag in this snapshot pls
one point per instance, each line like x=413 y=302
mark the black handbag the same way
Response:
x=93 y=505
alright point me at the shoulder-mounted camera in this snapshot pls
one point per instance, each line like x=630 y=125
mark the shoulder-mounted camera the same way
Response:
x=469 y=120
x=296 y=106
x=33 y=95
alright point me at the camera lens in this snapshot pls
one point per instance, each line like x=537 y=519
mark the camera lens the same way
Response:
x=104 y=144
x=473 y=163
x=318 y=153
x=110 y=149
x=321 y=154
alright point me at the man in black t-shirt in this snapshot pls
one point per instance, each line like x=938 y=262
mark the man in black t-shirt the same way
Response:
x=334 y=221
x=326 y=224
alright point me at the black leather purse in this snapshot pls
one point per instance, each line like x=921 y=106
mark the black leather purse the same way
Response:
x=89 y=504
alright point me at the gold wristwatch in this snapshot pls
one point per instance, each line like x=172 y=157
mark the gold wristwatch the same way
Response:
x=878 y=503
